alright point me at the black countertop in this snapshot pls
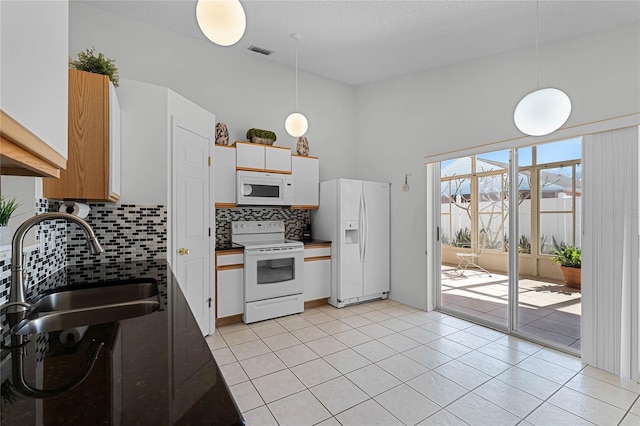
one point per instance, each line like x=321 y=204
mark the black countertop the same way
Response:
x=314 y=241
x=154 y=370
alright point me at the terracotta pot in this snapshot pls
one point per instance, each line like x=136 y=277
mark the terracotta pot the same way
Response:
x=571 y=276
x=263 y=141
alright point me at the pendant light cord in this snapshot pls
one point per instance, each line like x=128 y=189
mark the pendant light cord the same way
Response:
x=296 y=74
x=537 y=42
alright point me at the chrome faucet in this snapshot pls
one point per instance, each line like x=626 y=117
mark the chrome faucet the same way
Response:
x=18 y=291
x=18 y=308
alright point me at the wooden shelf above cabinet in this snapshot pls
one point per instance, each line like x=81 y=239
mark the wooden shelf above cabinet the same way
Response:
x=24 y=154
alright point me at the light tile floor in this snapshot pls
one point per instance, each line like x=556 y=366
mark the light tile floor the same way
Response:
x=547 y=310
x=384 y=363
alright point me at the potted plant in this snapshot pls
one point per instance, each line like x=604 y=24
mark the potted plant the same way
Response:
x=570 y=260
x=7 y=207
x=87 y=61
x=266 y=137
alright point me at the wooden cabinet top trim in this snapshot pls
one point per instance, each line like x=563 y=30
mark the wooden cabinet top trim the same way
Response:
x=13 y=131
x=278 y=147
x=225 y=146
x=304 y=156
x=259 y=144
x=280 y=172
x=230 y=252
x=317 y=245
x=250 y=169
x=316 y=258
x=229 y=267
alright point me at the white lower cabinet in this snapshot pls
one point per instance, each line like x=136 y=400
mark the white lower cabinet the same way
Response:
x=230 y=278
x=229 y=284
x=317 y=272
x=230 y=292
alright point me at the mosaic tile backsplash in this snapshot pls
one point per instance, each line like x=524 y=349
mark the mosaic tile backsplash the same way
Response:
x=126 y=232
x=293 y=220
x=41 y=261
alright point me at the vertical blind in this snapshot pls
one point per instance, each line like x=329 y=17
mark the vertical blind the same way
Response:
x=610 y=252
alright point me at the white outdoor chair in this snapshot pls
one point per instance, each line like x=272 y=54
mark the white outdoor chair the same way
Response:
x=470 y=259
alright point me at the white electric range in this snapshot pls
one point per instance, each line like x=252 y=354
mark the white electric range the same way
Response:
x=273 y=270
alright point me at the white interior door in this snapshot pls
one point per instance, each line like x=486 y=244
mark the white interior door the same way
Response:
x=191 y=216
x=376 y=238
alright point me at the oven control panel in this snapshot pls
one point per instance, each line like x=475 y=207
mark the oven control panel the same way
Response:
x=257 y=226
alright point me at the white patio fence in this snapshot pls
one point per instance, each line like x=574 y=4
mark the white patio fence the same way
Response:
x=552 y=225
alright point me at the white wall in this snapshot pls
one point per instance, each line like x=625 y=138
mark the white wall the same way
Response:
x=26 y=190
x=379 y=131
x=401 y=120
x=144 y=162
x=242 y=90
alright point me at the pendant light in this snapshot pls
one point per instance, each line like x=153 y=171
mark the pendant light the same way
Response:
x=545 y=110
x=296 y=123
x=221 y=21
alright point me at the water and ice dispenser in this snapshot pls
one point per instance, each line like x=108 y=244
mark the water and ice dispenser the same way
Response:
x=351 y=231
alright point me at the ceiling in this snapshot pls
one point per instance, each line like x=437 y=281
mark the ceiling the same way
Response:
x=361 y=41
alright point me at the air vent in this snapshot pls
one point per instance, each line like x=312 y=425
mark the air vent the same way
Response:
x=260 y=50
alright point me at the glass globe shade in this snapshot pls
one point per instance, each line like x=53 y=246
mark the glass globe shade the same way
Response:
x=542 y=112
x=296 y=124
x=221 y=21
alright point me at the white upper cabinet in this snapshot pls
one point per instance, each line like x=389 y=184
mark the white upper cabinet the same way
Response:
x=249 y=156
x=224 y=166
x=306 y=178
x=277 y=159
x=34 y=56
x=262 y=158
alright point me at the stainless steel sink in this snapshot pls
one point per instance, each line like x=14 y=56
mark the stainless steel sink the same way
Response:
x=79 y=305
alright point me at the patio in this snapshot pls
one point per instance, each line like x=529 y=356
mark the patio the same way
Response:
x=548 y=310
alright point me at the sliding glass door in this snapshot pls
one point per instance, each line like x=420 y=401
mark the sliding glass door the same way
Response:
x=503 y=216
x=474 y=212
x=548 y=308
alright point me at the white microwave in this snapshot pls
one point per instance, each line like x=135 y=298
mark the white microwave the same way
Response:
x=264 y=189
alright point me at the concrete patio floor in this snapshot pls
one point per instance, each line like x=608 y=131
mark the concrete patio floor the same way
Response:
x=548 y=310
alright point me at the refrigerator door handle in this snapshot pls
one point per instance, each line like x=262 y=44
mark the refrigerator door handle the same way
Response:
x=366 y=228
x=360 y=226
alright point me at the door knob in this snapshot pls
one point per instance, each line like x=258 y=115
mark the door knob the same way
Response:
x=182 y=251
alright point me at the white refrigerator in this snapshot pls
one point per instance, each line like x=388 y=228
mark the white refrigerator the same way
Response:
x=354 y=216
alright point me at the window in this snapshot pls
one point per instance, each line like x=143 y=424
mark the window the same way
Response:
x=475 y=198
x=558 y=171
